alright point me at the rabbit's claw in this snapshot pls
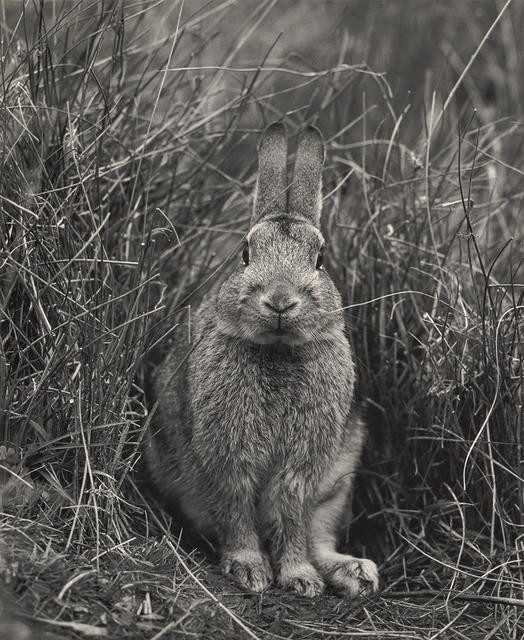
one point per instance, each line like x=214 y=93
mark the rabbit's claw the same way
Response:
x=250 y=568
x=303 y=579
x=354 y=577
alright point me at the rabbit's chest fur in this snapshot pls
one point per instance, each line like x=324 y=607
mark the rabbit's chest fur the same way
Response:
x=257 y=409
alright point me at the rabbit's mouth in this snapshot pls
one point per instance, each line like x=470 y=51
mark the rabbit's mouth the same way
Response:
x=280 y=336
x=279 y=332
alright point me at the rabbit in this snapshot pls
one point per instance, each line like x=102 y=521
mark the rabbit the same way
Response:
x=255 y=437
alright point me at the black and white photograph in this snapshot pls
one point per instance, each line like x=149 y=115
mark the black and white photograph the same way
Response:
x=261 y=319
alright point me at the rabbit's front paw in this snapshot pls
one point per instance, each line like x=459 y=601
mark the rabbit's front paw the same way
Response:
x=353 y=576
x=302 y=578
x=250 y=567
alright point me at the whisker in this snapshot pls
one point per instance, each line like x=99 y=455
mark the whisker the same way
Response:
x=390 y=295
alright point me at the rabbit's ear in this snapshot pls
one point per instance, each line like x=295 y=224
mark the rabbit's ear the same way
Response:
x=305 y=196
x=271 y=189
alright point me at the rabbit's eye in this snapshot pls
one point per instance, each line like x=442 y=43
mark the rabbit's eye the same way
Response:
x=245 y=255
x=320 y=258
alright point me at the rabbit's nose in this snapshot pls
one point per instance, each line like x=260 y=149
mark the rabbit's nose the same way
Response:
x=280 y=303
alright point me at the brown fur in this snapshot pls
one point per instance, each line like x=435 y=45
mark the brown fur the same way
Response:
x=254 y=438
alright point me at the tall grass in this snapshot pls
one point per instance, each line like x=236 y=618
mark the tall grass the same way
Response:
x=125 y=183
